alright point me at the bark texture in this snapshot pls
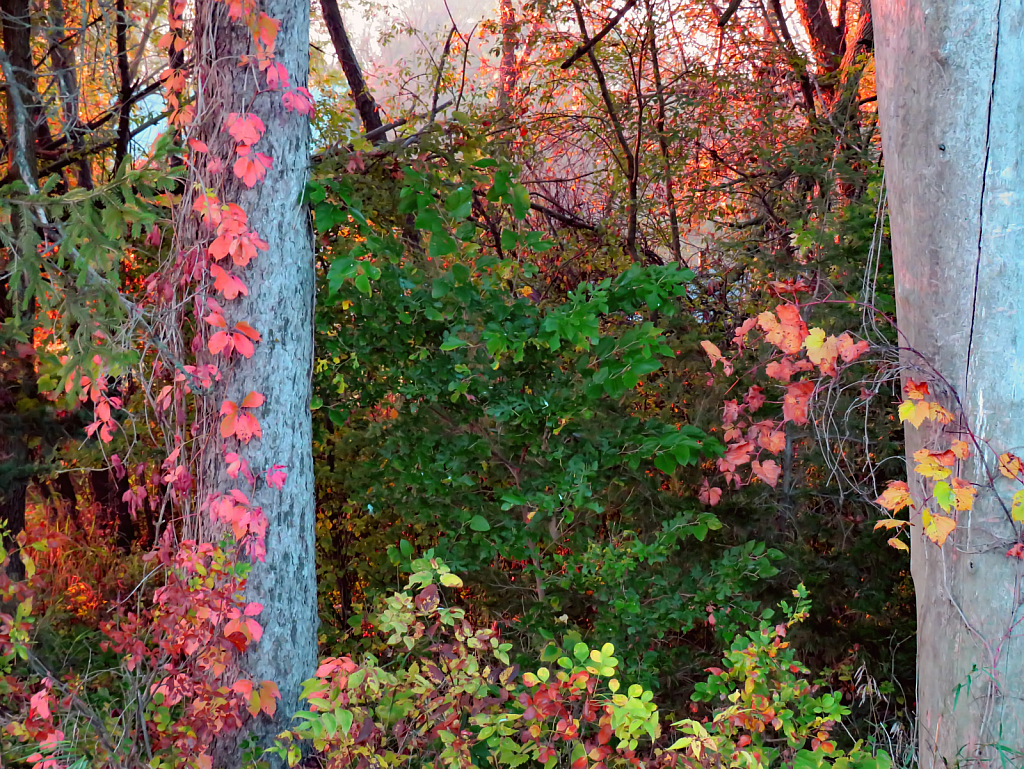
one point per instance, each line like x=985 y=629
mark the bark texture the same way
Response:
x=280 y=306
x=951 y=98
x=365 y=104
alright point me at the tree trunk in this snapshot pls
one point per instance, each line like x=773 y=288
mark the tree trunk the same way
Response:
x=62 y=57
x=21 y=152
x=280 y=306
x=827 y=39
x=365 y=104
x=951 y=100
x=509 y=71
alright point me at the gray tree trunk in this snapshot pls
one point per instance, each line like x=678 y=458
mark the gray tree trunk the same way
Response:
x=280 y=306
x=951 y=100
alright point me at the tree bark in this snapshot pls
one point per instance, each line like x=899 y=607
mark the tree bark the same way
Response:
x=670 y=200
x=62 y=57
x=21 y=152
x=951 y=100
x=365 y=104
x=827 y=39
x=509 y=69
x=280 y=306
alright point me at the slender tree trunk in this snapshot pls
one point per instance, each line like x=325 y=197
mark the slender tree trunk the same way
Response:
x=670 y=199
x=62 y=57
x=951 y=99
x=19 y=75
x=124 y=94
x=365 y=104
x=508 y=73
x=280 y=306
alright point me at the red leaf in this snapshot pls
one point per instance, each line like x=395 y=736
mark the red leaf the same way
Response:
x=221 y=342
x=253 y=400
x=794 y=405
x=277 y=77
x=246 y=129
x=251 y=168
x=767 y=471
x=226 y=283
x=243 y=346
x=299 y=100
x=276 y=476
x=248 y=330
x=709 y=495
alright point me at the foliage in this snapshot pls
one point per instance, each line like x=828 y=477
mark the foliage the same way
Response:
x=445 y=693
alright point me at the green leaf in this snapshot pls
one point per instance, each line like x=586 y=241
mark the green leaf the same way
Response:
x=520 y=201
x=479 y=523
x=509 y=239
x=362 y=282
x=452 y=342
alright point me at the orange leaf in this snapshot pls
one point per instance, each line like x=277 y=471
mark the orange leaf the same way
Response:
x=252 y=400
x=895 y=497
x=228 y=410
x=937 y=527
x=960 y=449
x=248 y=330
x=963 y=494
x=1009 y=465
x=916 y=391
x=774 y=441
x=788 y=332
x=794 y=405
x=850 y=350
x=269 y=695
x=767 y=471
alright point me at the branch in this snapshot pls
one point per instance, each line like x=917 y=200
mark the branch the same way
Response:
x=440 y=71
x=572 y=221
x=365 y=104
x=728 y=13
x=584 y=49
x=378 y=132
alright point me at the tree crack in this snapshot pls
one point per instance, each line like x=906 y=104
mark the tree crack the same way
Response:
x=981 y=201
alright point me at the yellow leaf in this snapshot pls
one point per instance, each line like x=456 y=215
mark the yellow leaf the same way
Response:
x=1009 y=465
x=1017 y=510
x=963 y=493
x=890 y=523
x=937 y=527
x=895 y=497
x=815 y=339
x=961 y=449
x=898 y=543
x=930 y=465
x=914 y=411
